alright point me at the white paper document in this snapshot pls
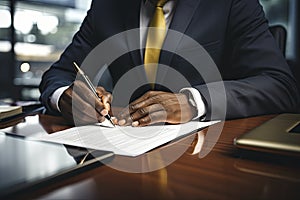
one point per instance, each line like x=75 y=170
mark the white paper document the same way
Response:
x=128 y=141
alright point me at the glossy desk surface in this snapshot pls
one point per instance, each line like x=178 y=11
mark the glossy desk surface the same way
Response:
x=225 y=173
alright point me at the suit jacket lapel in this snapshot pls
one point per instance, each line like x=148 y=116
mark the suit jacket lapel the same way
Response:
x=133 y=39
x=185 y=10
x=133 y=22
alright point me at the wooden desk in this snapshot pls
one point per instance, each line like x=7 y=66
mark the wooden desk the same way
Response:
x=223 y=174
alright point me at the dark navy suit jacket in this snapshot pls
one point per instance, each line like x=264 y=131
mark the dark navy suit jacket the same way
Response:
x=235 y=33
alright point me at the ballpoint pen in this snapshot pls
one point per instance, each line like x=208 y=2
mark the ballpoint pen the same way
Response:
x=91 y=86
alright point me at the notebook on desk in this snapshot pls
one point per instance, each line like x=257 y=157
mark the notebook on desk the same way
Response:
x=278 y=135
x=9 y=111
x=13 y=115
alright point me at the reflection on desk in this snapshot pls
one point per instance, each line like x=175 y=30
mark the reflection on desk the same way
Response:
x=222 y=174
x=26 y=164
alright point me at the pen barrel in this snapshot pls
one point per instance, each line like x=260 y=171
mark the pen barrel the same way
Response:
x=92 y=88
x=90 y=85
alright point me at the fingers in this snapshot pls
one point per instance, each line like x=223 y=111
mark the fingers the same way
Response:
x=81 y=105
x=84 y=112
x=134 y=117
x=78 y=104
x=101 y=104
x=106 y=100
x=149 y=101
x=139 y=103
x=144 y=111
x=155 y=107
x=135 y=105
x=152 y=118
x=141 y=109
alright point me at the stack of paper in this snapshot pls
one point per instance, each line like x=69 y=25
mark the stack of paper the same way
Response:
x=128 y=141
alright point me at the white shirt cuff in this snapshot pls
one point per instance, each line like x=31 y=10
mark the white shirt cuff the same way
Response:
x=56 y=96
x=196 y=100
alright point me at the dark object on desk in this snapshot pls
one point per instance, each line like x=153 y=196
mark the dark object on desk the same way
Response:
x=27 y=109
x=27 y=164
x=278 y=135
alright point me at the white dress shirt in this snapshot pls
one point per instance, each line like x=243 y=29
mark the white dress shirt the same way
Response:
x=146 y=13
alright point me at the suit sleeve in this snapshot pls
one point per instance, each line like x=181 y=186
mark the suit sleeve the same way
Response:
x=62 y=72
x=257 y=78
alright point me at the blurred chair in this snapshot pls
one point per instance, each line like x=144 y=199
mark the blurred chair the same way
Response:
x=280 y=34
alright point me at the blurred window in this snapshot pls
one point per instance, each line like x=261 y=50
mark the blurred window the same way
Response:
x=5 y=45
x=43 y=29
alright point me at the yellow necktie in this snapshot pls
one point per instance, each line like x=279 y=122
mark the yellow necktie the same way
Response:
x=155 y=39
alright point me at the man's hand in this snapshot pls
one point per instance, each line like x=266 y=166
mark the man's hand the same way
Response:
x=78 y=104
x=155 y=107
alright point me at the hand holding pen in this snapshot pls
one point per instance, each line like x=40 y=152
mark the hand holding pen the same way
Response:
x=104 y=98
x=80 y=104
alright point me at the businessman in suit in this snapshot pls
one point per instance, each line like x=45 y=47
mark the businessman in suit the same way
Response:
x=235 y=34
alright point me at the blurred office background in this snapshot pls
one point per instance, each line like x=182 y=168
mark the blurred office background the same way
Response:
x=40 y=31
x=34 y=36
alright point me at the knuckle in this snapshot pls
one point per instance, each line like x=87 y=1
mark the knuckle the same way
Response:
x=142 y=111
x=132 y=107
x=100 y=88
x=150 y=93
x=155 y=99
x=132 y=117
x=145 y=120
x=108 y=95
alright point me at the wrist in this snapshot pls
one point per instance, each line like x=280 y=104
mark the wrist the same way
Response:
x=195 y=100
x=55 y=97
x=192 y=108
